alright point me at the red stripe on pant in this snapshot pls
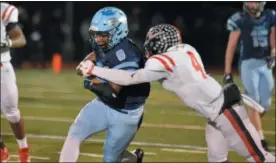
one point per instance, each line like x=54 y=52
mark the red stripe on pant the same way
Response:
x=242 y=135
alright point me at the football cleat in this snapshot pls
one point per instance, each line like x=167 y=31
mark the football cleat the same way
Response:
x=139 y=154
x=24 y=155
x=265 y=145
x=5 y=155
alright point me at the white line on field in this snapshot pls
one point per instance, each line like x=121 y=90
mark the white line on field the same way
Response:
x=183 y=150
x=168 y=126
x=101 y=156
x=34 y=157
x=177 y=147
x=150 y=153
x=90 y=155
x=146 y=144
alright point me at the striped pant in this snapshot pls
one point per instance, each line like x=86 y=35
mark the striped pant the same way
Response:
x=239 y=134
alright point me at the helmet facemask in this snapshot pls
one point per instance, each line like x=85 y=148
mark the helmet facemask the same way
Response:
x=99 y=38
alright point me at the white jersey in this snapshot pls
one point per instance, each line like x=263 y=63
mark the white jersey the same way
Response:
x=9 y=14
x=180 y=70
x=188 y=79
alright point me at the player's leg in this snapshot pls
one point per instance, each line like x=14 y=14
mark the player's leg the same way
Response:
x=251 y=78
x=9 y=107
x=122 y=129
x=216 y=143
x=266 y=91
x=242 y=135
x=91 y=119
x=136 y=155
x=266 y=86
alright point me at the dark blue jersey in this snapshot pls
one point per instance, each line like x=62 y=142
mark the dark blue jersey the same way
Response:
x=127 y=56
x=254 y=37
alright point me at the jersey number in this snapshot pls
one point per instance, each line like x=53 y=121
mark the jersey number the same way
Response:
x=196 y=65
x=259 y=37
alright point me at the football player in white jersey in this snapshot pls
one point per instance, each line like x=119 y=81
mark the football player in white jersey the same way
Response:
x=178 y=67
x=11 y=37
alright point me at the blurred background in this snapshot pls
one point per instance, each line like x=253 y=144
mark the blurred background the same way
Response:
x=62 y=27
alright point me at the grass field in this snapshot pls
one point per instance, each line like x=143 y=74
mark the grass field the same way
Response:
x=170 y=133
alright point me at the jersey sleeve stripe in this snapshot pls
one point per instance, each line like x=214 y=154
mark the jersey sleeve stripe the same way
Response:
x=163 y=62
x=5 y=13
x=169 y=58
x=231 y=23
x=126 y=64
x=9 y=16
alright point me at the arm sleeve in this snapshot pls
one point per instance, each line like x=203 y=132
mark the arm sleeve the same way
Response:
x=234 y=22
x=154 y=70
x=122 y=77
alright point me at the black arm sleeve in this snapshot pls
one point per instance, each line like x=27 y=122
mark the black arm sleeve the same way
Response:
x=10 y=26
x=107 y=94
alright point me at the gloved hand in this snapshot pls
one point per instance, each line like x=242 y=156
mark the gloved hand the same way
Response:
x=6 y=43
x=86 y=68
x=78 y=69
x=228 y=78
x=271 y=62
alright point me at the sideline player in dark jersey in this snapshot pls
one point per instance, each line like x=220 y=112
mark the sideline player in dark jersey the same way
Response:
x=254 y=29
x=117 y=109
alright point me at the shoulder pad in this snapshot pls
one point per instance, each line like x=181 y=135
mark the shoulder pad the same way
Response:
x=273 y=16
x=159 y=63
x=234 y=22
x=10 y=14
x=271 y=12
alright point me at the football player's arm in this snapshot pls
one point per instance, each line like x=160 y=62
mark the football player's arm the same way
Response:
x=233 y=25
x=128 y=66
x=232 y=44
x=16 y=36
x=273 y=35
x=121 y=77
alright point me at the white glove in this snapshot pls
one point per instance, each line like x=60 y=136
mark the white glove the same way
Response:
x=86 y=68
x=6 y=43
